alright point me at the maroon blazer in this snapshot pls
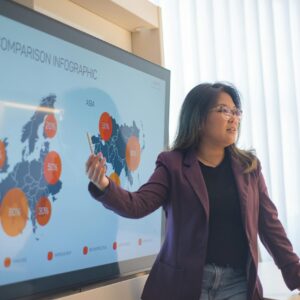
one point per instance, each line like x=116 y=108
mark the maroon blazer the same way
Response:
x=178 y=185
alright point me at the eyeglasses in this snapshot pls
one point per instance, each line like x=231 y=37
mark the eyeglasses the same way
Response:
x=228 y=113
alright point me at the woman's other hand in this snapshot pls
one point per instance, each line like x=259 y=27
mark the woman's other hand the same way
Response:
x=96 y=170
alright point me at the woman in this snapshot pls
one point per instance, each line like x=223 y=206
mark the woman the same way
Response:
x=216 y=203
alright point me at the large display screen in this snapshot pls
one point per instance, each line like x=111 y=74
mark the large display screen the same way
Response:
x=58 y=85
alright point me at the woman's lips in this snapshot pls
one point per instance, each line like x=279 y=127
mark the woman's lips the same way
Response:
x=231 y=130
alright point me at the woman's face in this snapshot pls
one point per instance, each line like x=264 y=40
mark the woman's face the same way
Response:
x=221 y=126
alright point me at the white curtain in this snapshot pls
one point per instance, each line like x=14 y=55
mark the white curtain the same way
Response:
x=255 y=44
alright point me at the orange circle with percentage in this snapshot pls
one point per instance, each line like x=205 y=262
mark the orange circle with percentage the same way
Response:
x=14 y=212
x=7 y=262
x=50 y=126
x=105 y=126
x=115 y=178
x=52 y=167
x=43 y=211
x=2 y=154
x=133 y=153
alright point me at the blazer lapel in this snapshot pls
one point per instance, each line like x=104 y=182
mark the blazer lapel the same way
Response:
x=242 y=182
x=193 y=174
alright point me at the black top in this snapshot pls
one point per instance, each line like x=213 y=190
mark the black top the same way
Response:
x=227 y=242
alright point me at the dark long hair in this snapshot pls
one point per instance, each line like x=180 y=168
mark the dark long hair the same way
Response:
x=193 y=115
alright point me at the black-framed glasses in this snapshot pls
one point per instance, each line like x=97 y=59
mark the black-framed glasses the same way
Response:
x=227 y=112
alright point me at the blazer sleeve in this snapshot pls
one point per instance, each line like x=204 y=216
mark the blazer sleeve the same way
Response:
x=274 y=238
x=149 y=197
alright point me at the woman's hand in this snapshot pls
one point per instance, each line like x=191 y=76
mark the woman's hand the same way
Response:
x=96 y=169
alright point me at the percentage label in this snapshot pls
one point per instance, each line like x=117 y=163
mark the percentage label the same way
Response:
x=90 y=102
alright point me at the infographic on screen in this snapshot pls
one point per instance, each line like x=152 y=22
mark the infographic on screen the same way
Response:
x=53 y=94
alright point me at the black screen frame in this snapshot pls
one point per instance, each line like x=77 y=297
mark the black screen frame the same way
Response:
x=77 y=280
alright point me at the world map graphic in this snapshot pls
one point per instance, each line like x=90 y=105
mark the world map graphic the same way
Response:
x=30 y=183
x=120 y=145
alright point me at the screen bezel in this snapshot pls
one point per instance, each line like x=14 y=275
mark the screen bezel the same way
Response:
x=76 y=280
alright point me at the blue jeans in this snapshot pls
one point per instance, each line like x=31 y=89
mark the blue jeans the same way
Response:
x=223 y=283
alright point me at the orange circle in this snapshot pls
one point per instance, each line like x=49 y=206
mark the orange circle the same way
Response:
x=7 y=262
x=52 y=167
x=115 y=178
x=50 y=255
x=2 y=154
x=133 y=153
x=14 y=212
x=50 y=126
x=85 y=250
x=43 y=211
x=115 y=245
x=105 y=126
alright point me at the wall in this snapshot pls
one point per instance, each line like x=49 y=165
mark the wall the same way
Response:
x=134 y=25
